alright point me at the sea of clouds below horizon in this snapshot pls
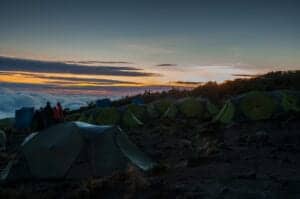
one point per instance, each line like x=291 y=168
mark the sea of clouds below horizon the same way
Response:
x=11 y=100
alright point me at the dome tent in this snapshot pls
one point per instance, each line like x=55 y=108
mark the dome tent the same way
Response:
x=106 y=116
x=73 y=117
x=226 y=114
x=84 y=117
x=158 y=108
x=161 y=106
x=200 y=108
x=139 y=111
x=190 y=107
x=289 y=100
x=251 y=106
x=152 y=113
x=75 y=150
x=171 y=113
x=23 y=117
x=138 y=101
x=212 y=108
x=101 y=116
x=87 y=116
x=103 y=103
x=129 y=120
x=258 y=105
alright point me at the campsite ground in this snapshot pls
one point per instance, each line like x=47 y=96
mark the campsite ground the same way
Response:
x=244 y=160
x=195 y=160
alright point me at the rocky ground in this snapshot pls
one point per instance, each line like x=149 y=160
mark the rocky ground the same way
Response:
x=196 y=160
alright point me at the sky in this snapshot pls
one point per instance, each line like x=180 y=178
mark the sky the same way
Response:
x=114 y=48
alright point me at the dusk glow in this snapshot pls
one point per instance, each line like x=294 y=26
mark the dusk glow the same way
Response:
x=100 y=46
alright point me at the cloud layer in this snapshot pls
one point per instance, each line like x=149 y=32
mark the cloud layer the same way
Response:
x=13 y=64
x=11 y=100
x=73 y=79
x=166 y=65
x=64 y=79
x=89 y=90
x=93 y=62
x=26 y=96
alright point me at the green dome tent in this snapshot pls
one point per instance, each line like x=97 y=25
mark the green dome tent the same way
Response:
x=289 y=100
x=257 y=105
x=129 y=120
x=101 y=116
x=226 y=114
x=139 y=111
x=107 y=116
x=191 y=107
x=152 y=113
x=73 y=117
x=162 y=106
x=187 y=107
x=212 y=108
x=84 y=116
x=23 y=117
x=158 y=108
x=75 y=150
x=171 y=112
x=251 y=106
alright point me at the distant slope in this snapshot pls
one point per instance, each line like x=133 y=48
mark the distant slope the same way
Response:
x=219 y=92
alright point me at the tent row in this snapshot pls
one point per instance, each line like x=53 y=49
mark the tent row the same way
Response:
x=134 y=115
x=259 y=105
x=254 y=105
x=78 y=150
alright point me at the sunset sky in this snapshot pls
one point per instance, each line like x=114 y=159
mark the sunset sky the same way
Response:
x=118 y=47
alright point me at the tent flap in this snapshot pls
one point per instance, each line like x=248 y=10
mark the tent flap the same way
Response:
x=133 y=153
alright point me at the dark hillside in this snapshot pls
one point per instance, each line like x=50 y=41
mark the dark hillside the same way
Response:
x=218 y=92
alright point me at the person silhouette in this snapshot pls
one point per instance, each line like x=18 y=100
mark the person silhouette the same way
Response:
x=48 y=115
